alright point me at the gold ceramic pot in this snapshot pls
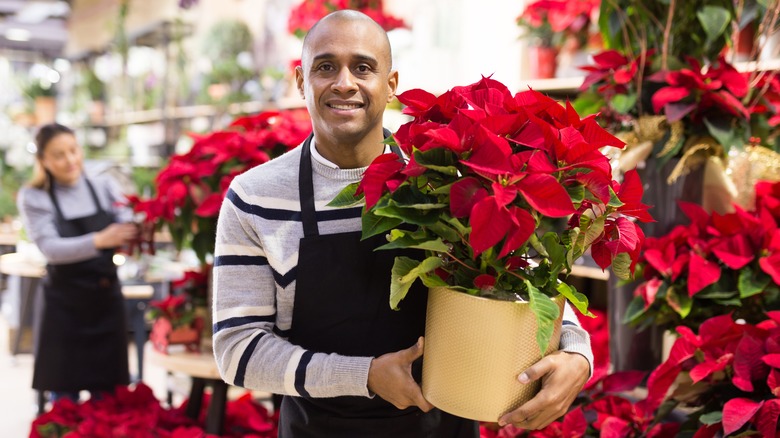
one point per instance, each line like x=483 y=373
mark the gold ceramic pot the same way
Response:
x=474 y=350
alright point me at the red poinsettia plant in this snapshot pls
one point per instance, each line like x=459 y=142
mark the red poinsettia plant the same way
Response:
x=728 y=374
x=177 y=309
x=715 y=265
x=549 y=22
x=675 y=69
x=308 y=12
x=484 y=169
x=190 y=189
x=134 y=412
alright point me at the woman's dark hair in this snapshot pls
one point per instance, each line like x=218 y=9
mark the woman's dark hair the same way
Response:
x=48 y=132
x=40 y=177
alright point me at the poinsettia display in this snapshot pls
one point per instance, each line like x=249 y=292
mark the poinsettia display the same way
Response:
x=135 y=412
x=670 y=90
x=190 y=189
x=308 y=12
x=484 y=168
x=715 y=265
x=729 y=373
x=548 y=22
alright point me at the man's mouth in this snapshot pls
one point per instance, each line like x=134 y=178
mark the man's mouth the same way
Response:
x=345 y=106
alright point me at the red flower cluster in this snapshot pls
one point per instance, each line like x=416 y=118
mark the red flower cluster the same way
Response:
x=527 y=148
x=691 y=260
x=308 y=12
x=696 y=91
x=740 y=364
x=190 y=189
x=562 y=15
x=136 y=413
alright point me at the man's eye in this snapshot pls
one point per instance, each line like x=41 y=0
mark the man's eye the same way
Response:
x=363 y=68
x=325 y=67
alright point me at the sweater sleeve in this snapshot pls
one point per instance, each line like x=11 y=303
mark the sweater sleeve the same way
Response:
x=38 y=217
x=250 y=343
x=574 y=339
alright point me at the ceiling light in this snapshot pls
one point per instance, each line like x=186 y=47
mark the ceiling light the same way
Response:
x=17 y=34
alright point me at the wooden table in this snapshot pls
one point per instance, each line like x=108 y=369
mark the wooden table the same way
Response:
x=30 y=271
x=202 y=368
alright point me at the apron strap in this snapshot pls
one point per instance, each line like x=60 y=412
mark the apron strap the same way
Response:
x=306 y=186
x=57 y=204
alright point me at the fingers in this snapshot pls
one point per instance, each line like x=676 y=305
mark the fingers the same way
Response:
x=563 y=375
x=390 y=377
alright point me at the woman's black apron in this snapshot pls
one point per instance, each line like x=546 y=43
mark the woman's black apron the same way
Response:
x=342 y=306
x=83 y=338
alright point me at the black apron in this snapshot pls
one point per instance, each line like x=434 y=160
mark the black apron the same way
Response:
x=342 y=306
x=83 y=339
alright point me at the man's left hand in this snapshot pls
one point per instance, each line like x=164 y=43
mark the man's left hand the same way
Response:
x=563 y=376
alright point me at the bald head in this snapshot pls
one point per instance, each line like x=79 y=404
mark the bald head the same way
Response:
x=349 y=17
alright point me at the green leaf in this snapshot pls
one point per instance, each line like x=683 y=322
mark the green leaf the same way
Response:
x=405 y=271
x=373 y=224
x=537 y=245
x=546 y=312
x=623 y=103
x=621 y=266
x=722 y=132
x=346 y=197
x=711 y=418
x=579 y=300
x=438 y=159
x=594 y=230
x=446 y=232
x=714 y=20
x=408 y=215
x=634 y=311
x=713 y=294
x=433 y=280
x=555 y=251
x=588 y=103
x=614 y=201
x=679 y=302
x=435 y=245
x=750 y=284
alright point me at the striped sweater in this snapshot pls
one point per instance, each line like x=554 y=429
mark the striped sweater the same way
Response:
x=256 y=254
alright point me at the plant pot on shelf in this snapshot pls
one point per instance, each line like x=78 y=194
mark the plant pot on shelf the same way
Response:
x=45 y=110
x=163 y=335
x=543 y=61
x=475 y=348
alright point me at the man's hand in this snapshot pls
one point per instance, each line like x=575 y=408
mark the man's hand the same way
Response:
x=390 y=377
x=563 y=376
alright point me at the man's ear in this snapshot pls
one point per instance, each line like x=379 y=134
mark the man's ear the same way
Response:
x=299 y=80
x=392 y=85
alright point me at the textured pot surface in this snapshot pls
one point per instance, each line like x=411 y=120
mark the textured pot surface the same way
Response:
x=474 y=350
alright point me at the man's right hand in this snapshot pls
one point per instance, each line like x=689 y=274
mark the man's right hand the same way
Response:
x=390 y=377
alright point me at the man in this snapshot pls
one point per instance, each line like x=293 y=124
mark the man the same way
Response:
x=300 y=302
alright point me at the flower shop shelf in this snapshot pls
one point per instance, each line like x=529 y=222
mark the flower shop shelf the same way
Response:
x=190 y=112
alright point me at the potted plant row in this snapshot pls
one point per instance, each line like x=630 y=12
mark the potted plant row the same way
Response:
x=484 y=169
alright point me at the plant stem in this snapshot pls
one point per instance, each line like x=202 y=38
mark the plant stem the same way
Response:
x=667 y=36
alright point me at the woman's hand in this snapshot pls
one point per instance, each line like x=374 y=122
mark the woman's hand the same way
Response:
x=115 y=235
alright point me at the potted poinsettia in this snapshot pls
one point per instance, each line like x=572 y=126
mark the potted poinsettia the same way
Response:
x=727 y=375
x=175 y=323
x=484 y=168
x=715 y=265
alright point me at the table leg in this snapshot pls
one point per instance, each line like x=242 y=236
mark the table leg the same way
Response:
x=215 y=417
x=139 y=335
x=27 y=287
x=196 y=397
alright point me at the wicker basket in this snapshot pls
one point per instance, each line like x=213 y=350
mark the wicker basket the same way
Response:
x=474 y=350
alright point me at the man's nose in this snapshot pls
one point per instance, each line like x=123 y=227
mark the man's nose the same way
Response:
x=345 y=81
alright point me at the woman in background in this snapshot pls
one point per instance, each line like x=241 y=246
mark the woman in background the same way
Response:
x=76 y=223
